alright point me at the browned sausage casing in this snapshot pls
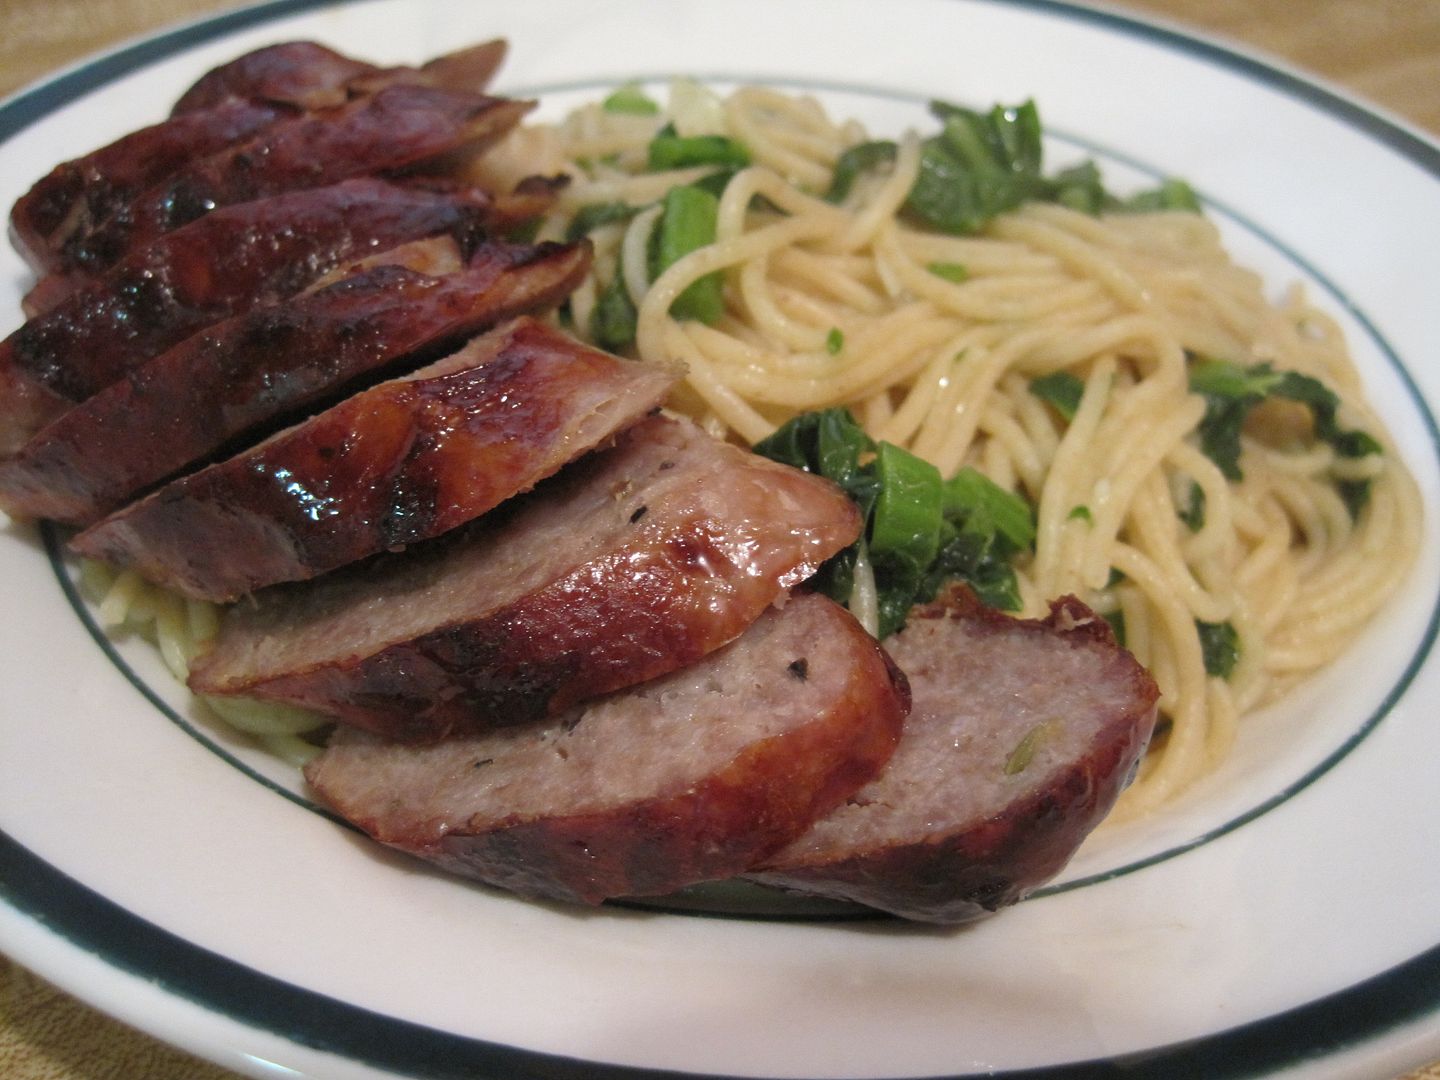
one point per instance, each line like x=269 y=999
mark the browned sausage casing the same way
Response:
x=224 y=264
x=688 y=778
x=1022 y=735
x=401 y=462
x=242 y=373
x=396 y=128
x=632 y=563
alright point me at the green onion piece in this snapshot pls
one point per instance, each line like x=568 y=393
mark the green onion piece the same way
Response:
x=1080 y=513
x=671 y=151
x=973 y=495
x=950 y=271
x=1172 y=194
x=908 y=510
x=904 y=535
x=1220 y=644
x=612 y=322
x=1194 y=513
x=592 y=216
x=631 y=100
x=1062 y=389
x=1024 y=751
x=834 y=341
x=687 y=222
x=861 y=158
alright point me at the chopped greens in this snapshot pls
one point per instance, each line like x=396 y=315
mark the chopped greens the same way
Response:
x=632 y=100
x=593 y=216
x=981 y=164
x=950 y=271
x=860 y=158
x=835 y=341
x=1232 y=391
x=1080 y=513
x=920 y=531
x=1194 y=513
x=1062 y=389
x=670 y=150
x=687 y=222
x=1220 y=645
x=612 y=323
x=1024 y=752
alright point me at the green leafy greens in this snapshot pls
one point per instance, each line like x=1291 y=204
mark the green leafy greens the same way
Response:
x=920 y=531
x=1231 y=391
x=980 y=165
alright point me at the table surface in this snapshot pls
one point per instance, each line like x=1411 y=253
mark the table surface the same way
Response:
x=1386 y=52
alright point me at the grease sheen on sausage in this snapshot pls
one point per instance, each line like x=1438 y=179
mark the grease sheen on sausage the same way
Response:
x=225 y=263
x=401 y=462
x=631 y=563
x=231 y=379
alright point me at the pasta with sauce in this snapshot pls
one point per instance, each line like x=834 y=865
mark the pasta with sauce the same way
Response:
x=935 y=343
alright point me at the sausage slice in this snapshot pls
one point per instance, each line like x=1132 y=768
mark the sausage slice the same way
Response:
x=1022 y=735
x=401 y=462
x=76 y=196
x=629 y=564
x=245 y=372
x=397 y=128
x=227 y=262
x=688 y=778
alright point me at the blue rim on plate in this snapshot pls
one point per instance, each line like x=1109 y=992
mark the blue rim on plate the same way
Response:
x=72 y=911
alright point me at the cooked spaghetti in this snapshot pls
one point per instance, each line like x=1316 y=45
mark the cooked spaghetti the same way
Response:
x=935 y=341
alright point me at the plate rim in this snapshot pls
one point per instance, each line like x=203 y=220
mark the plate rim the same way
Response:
x=78 y=915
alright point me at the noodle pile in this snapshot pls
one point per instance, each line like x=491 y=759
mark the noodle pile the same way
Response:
x=933 y=341
x=943 y=367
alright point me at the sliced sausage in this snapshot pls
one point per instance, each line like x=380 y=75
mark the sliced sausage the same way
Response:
x=240 y=374
x=1022 y=735
x=76 y=196
x=303 y=73
x=688 y=778
x=312 y=76
x=630 y=564
x=405 y=460
x=224 y=264
x=399 y=127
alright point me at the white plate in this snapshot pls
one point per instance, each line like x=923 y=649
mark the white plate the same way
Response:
x=1284 y=917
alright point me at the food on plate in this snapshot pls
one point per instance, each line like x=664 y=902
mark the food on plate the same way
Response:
x=1197 y=461
x=629 y=564
x=522 y=628
x=310 y=75
x=1019 y=738
x=302 y=73
x=77 y=196
x=240 y=375
x=398 y=129
x=405 y=460
x=687 y=778
x=222 y=265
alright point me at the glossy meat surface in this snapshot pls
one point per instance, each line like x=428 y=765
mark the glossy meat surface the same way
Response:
x=77 y=196
x=221 y=265
x=303 y=73
x=397 y=128
x=685 y=779
x=632 y=563
x=1021 y=736
x=401 y=462
x=243 y=373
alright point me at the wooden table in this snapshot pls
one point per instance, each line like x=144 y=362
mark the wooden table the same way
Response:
x=1385 y=51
